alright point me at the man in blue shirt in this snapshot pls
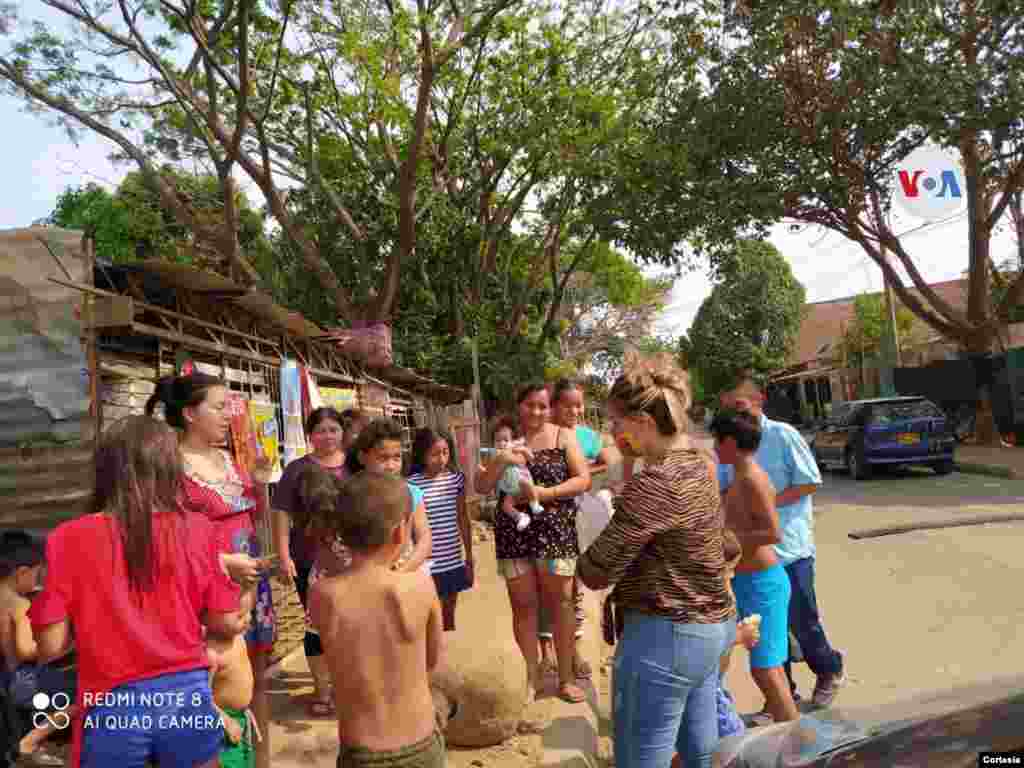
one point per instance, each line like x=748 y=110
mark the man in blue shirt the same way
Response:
x=785 y=456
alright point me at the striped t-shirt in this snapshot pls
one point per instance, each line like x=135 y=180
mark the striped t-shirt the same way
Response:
x=441 y=496
x=663 y=549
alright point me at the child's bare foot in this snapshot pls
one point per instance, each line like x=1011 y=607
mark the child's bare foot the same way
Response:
x=581 y=667
x=571 y=693
x=548 y=668
x=32 y=749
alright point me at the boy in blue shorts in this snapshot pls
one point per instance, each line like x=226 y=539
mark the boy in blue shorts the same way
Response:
x=760 y=584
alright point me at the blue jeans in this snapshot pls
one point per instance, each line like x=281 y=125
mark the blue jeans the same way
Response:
x=805 y=623
x=666 y=691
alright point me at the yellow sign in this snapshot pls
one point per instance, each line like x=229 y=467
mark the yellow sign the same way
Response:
x=339 y=399
x=264 y=419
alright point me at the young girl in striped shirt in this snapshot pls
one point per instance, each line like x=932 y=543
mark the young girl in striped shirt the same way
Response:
x=444 y=494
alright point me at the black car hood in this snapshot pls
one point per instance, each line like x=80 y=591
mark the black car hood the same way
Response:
x=940 y=729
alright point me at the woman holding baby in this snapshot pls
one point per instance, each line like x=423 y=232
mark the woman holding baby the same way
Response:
x=538 y=561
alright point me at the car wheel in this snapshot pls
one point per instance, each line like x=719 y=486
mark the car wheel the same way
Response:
x=856 y=466
x=944 y=467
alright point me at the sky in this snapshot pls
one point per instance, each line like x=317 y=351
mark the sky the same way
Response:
x=41 y=162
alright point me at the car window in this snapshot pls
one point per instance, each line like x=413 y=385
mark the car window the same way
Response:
x=889 y=413
x=839 y=414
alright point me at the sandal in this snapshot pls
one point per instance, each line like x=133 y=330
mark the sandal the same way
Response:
x=571 y=693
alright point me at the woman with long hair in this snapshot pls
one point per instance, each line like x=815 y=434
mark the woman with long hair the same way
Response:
x=541 y=558
x=215 y=486
x=567 y=411
x=134 y=580
x=664 y=550
x=326 y=433
x=434 y=471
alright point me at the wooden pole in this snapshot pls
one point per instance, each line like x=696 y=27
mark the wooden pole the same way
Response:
x=89 y=246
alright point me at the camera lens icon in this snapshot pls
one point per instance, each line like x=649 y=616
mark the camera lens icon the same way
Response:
x=60 y=701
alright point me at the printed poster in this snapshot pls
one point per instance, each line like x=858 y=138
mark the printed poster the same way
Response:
x=291 y=412
x=244 y=444
x=264 y=420
x=339 y=399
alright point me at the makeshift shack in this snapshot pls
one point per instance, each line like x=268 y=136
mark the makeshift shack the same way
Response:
x=85 y=341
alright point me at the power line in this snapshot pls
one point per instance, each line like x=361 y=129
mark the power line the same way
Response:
x=866 y=261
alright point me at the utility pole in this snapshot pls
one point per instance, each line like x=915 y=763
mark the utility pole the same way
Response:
x=890 y=340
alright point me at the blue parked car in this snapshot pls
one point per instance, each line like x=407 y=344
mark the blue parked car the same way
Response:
x=863 y=434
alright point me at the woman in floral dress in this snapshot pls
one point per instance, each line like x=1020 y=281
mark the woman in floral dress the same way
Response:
x=215 y=486
x=539 y=562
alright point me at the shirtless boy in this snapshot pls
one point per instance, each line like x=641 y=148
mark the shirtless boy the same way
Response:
x=21 y=560
x=760 y=584
x=381 y=632
x=232 y=683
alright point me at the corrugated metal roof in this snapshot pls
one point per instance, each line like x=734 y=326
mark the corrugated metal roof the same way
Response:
x=43 y=372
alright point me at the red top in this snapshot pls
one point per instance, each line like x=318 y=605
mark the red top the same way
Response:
x=231 y=506
x=122 y=635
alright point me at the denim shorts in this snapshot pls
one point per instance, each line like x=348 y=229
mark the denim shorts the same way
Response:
x=168 y=720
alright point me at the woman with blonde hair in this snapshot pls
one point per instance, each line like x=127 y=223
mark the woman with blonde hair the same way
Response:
x=664 y=552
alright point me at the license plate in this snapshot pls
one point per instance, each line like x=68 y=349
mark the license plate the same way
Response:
x=908 y=438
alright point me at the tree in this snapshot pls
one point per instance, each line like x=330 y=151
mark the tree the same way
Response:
x=272 y=90
x=863 y=337
x=750 y=321
x=131 y=223
x=810 y=107
x=522 y=131
x=607 y=303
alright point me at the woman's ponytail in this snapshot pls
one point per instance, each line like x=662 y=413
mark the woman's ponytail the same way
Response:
x=178 y=393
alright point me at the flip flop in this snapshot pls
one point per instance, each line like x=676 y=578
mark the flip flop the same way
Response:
x=571 y=693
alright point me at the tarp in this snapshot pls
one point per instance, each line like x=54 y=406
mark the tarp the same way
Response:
x=44 y=375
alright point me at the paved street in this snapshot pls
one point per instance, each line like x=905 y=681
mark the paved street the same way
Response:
x=914 y=485
x=922 y=611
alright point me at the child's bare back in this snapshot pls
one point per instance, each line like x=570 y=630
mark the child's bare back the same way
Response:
x=381 y=632
x=17 y=644
x=750 y=507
